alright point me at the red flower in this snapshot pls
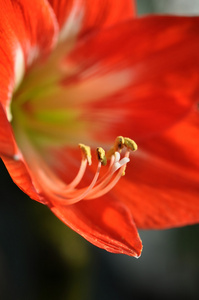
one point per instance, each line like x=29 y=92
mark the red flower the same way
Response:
x=72 y=73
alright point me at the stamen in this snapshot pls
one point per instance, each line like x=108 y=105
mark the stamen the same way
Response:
x=119 y=143
x=68 y=194
x=101 y=156
x=86 y=152
x=107 y=184
x=130 y=144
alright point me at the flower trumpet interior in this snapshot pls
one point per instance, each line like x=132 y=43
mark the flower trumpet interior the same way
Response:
x=60 y=192
x=45 y=115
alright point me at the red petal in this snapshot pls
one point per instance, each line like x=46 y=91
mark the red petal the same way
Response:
x=89 y=15
x=24 y=21
x=7 y=143
x=21 y=25
x=162 y=186
x=13 y=160
x=153 y=53
x=20 y=29
x=20 y=175
x=105 y=223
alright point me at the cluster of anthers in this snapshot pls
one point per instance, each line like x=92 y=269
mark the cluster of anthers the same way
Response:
x=69 y=194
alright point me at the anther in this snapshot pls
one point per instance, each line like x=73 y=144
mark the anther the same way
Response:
x=130 y=144
x=86 y=152
x=68 y=194
x=119 y=143
x=101 y=156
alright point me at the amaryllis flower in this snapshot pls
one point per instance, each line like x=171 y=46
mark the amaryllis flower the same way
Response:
x=86 y=73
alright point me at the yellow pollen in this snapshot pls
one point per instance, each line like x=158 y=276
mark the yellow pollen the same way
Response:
x=119 y=143
x=101 y=156
x=86 y=152
x=130 y=144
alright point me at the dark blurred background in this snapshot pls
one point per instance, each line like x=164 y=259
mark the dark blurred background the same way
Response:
x=40 y=258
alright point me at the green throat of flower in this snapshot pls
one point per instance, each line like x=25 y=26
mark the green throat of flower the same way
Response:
x=46 y=122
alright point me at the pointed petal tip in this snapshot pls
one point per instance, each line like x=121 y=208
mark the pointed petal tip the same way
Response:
x=110 y=228
x=119 y=248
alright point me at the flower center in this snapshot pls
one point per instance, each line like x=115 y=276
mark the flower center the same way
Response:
x=39 y=106
x=58 y=191
x=43 y=120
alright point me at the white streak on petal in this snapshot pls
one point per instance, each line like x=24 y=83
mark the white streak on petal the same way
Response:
x=73 y=23
x=8 y=113
x=33 y=54
x=97 y=86
x=19 y=68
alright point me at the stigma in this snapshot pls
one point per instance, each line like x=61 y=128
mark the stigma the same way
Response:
x=115 y=162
